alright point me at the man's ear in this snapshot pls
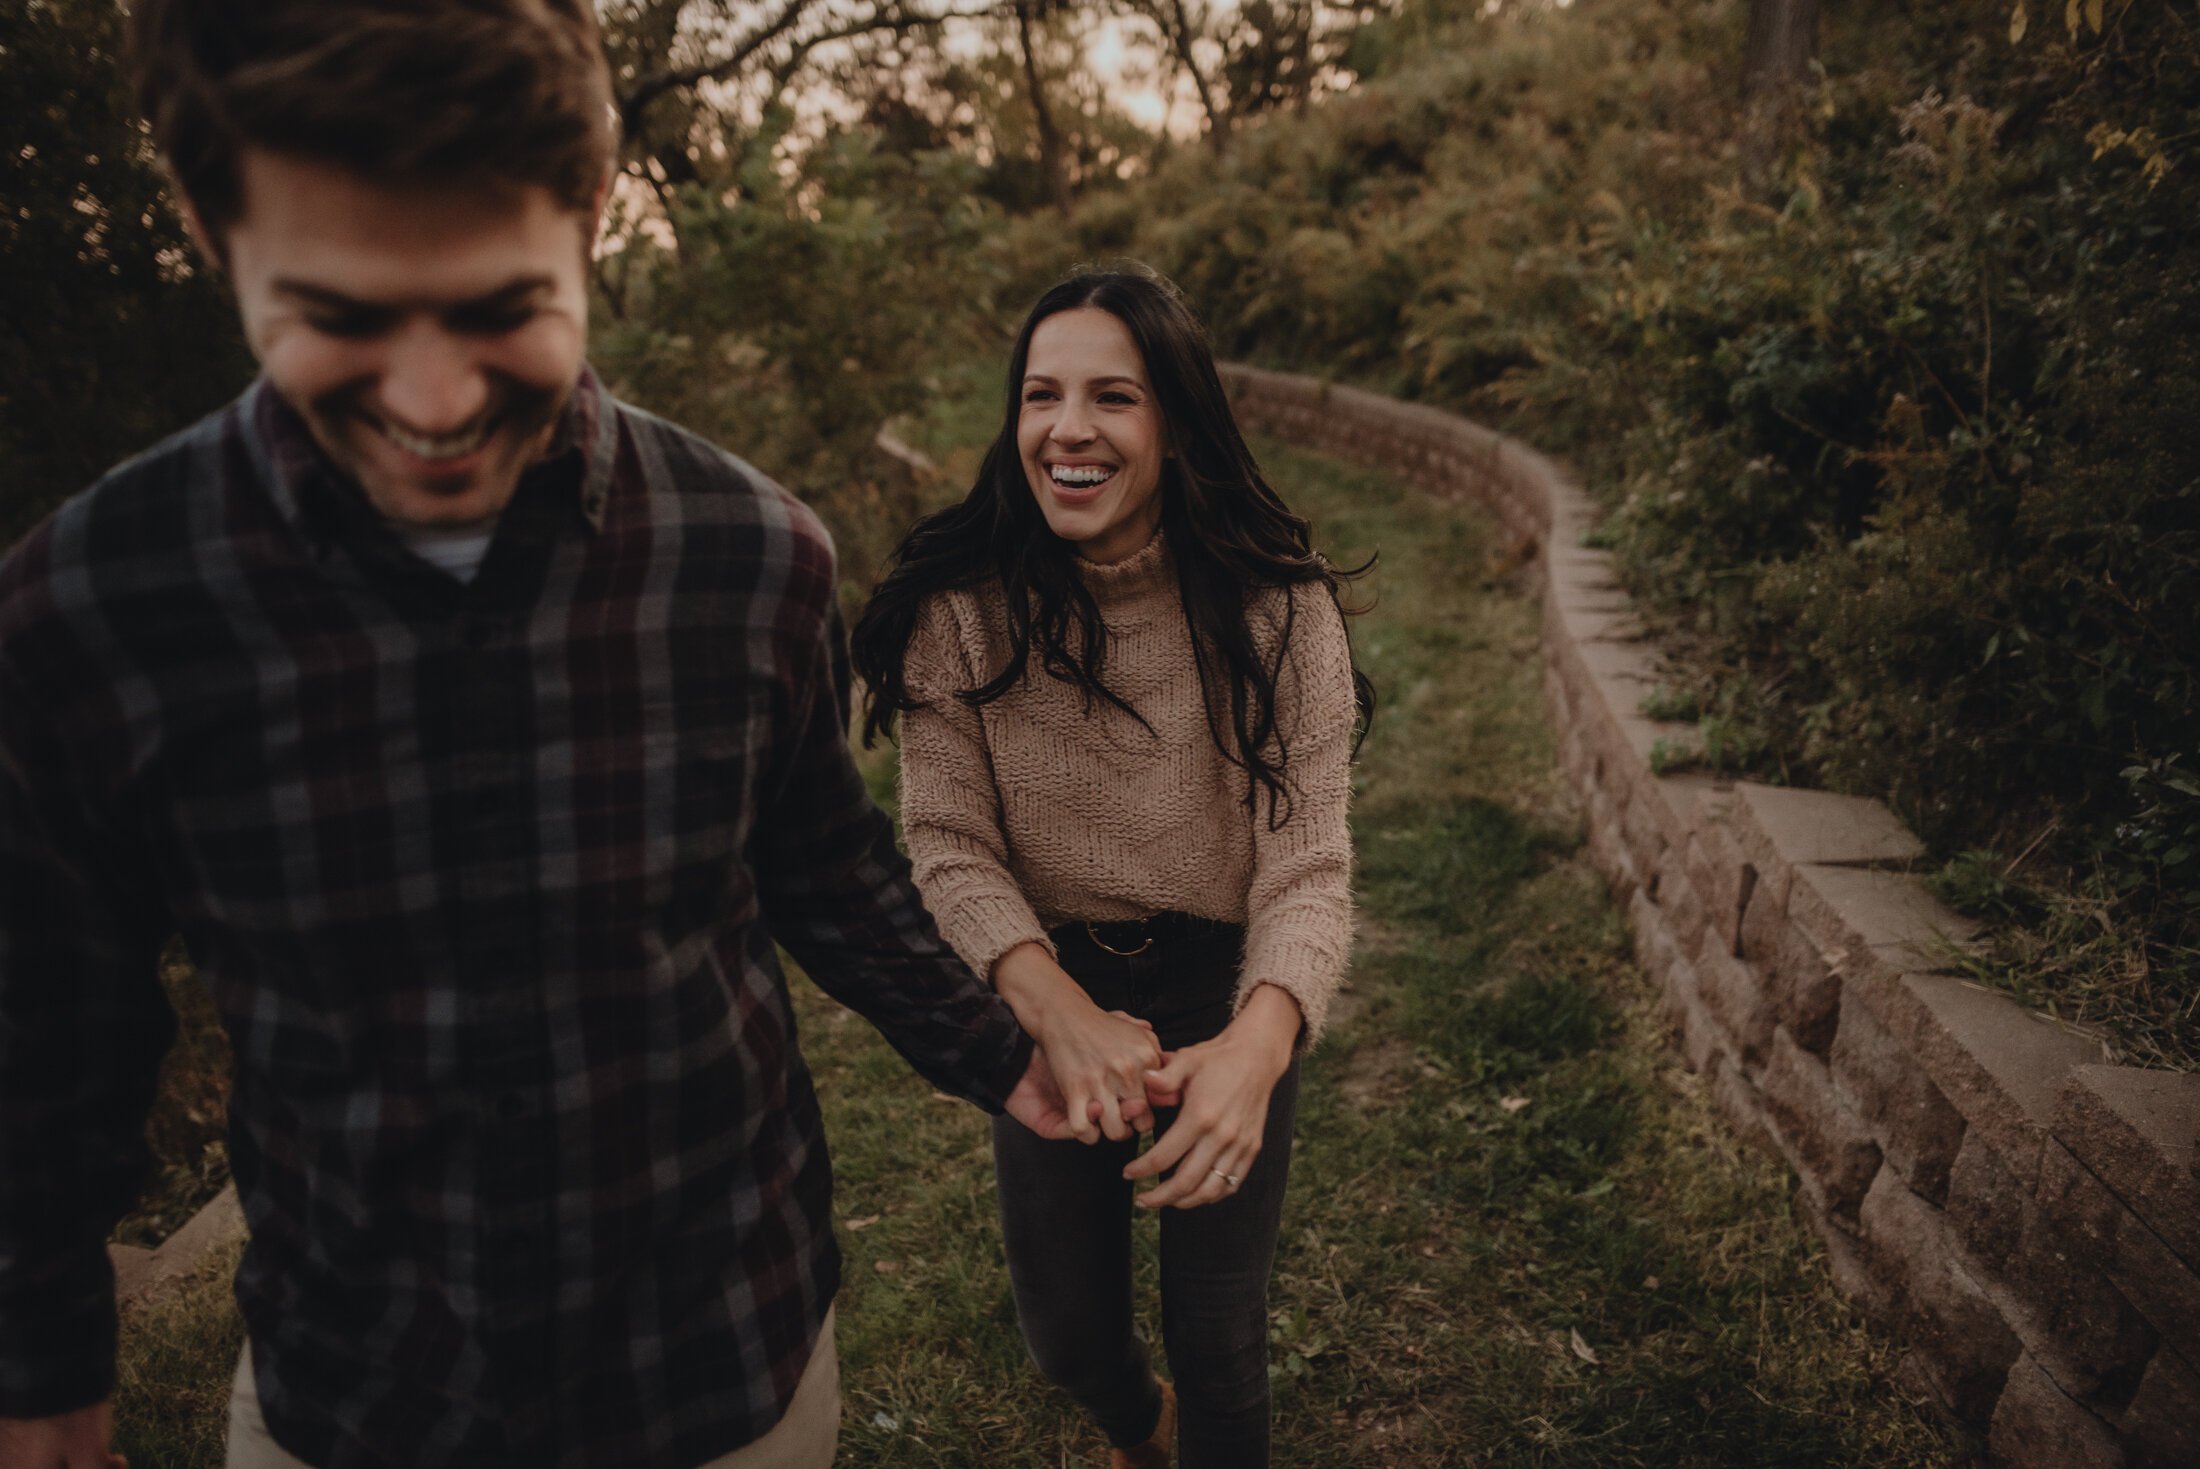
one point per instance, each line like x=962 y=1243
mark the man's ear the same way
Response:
x=596 y=207
x=204 y=240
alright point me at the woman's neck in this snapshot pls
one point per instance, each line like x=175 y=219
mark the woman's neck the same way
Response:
x=1140 y=574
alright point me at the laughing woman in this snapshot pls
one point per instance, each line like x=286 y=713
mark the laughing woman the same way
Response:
x=1127 y=704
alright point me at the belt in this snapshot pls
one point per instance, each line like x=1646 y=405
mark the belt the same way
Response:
x=1128 y=936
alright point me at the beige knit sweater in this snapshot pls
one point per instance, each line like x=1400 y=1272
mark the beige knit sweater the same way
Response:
x=1033 y=811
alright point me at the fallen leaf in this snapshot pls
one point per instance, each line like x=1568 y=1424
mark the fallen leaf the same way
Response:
x=1513 y=1104
x=1581 y=1349
x=1649 y=1282
x=944 y=1097
x=865 y=1222
x=887 y=1267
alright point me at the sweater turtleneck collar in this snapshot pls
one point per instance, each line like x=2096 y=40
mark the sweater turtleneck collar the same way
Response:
x=1147 y=571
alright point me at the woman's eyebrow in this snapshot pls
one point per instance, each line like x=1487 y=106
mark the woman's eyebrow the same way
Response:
x=1097 y=382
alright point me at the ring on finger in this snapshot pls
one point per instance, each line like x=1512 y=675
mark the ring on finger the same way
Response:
x=1228 y=1178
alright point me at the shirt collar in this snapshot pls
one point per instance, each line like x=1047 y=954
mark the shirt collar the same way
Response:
x=314 y=495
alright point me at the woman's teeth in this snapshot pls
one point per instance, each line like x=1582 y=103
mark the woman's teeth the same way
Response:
x=437 y=446
x=1081 y=478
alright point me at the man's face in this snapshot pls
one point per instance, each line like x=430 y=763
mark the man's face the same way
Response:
x=428 y=335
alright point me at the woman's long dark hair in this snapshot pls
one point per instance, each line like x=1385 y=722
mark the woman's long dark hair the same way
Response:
x=1228 y=529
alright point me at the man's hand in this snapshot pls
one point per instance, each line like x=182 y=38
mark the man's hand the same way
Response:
x=79 y=1439
x=1036 y=1103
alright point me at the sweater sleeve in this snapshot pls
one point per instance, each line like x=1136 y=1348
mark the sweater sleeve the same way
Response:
x=1299 y=905
x=951 y=807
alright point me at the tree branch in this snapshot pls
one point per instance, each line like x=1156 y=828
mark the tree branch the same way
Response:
x=787 y=19
x=649 y=88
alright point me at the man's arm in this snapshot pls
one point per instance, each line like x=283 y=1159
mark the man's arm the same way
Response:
x=83 y=1025
x=838 y=894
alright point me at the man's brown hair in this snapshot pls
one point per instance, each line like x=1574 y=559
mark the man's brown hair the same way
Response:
x=399 y=91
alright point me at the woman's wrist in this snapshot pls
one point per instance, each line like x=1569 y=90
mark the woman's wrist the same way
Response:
x=1270 y=1022
x=1037 y=988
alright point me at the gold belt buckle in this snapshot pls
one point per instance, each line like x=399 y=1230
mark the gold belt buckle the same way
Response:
x=1092 y=932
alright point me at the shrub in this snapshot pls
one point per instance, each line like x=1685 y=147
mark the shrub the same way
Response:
x=1890 y=411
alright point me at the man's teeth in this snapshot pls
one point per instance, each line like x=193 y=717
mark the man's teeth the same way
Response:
x=437 y=446
x=1081 y=477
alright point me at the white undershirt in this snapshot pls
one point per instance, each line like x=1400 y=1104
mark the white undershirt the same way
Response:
x=455 y=551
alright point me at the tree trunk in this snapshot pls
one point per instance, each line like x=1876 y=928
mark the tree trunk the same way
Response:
x=1218 y=122
x=1783 y=40
x=1050 y=141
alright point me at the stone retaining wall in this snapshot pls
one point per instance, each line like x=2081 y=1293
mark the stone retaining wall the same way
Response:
x=2027 y=1218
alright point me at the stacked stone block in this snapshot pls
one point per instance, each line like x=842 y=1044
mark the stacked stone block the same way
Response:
x=2025 y=1215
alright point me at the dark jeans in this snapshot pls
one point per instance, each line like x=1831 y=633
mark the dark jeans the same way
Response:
x=1065 y=1217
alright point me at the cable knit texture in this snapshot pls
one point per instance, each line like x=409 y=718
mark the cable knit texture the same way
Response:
x=1035 y=810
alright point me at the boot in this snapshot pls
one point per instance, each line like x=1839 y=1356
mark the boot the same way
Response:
x=1159 y=1449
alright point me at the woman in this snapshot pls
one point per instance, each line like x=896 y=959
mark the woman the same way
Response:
x=1127 y=704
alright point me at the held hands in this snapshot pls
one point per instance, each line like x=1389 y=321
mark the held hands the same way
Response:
x=1223 y=1086
x=1100 y=1059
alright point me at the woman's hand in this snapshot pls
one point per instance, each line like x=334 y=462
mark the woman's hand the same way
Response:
x=1223 y=1086
x=1099 y=1058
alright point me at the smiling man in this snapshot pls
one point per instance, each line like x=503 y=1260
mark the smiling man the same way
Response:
x=483 y=737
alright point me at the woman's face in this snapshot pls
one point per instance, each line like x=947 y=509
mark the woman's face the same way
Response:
x=1090 y=434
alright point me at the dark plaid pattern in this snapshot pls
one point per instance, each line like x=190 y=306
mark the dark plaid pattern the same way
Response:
x=485 y=879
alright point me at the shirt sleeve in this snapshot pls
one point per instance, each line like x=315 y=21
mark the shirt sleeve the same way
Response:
x=951 y=804
x=1299 y=906
x=83 y=1025
x=838 y=895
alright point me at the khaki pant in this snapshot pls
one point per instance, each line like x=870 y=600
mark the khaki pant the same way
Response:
x=804 y=1439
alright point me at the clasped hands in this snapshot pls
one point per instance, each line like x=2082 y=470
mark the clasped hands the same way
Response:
x=1114 y=1076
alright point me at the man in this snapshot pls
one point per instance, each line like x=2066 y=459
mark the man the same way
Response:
x=480 y=734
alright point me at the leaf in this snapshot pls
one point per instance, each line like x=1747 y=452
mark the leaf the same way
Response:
x=1513 y=1104
x=2073 y=10
x=2020 y=20
x=2096 y=14
x=887 y=1267
x=852 y=1225
x=1581 y=1348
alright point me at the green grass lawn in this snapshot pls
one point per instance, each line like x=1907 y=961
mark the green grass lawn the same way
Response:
x=1516 y=1232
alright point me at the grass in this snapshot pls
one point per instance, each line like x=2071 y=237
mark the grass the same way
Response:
x=173 y=1371
x=1496 y=1149
x=188 y=1127
x=1498 y=1156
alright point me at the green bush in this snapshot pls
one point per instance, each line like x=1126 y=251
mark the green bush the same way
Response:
x=804 y=310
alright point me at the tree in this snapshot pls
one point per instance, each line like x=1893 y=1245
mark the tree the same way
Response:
x=114 y=337
x=1028 y=14
x=1255 y=55
x=1783 y=41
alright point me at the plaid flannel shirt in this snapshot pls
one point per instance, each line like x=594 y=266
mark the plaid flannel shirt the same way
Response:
x=485 y=879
